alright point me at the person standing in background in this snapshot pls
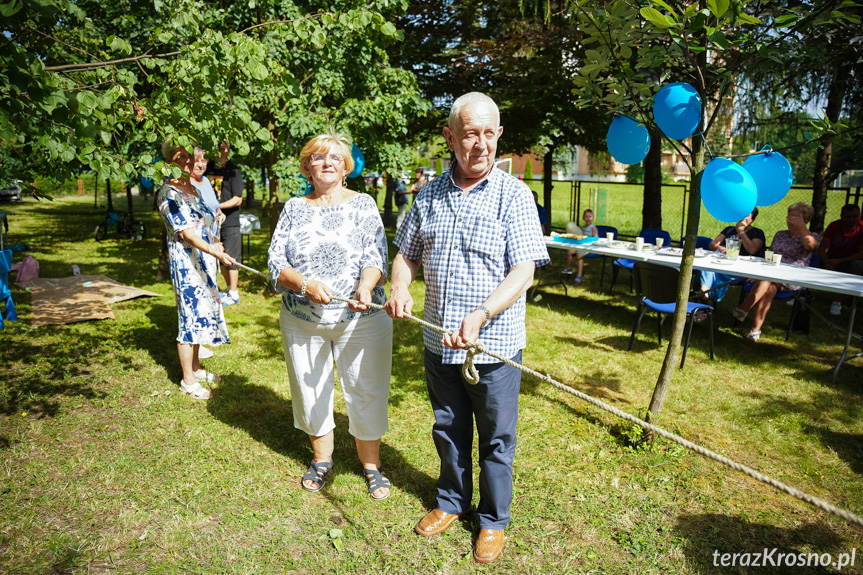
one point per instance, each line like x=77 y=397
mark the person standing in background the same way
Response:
x=227 y=179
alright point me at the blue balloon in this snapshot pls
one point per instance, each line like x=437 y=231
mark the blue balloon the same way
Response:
x=359 y=161
x=677 y=110
x=772 y=174
x=627 y=140
x=727 y=190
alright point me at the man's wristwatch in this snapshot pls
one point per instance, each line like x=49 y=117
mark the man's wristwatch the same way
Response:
x=487 y=314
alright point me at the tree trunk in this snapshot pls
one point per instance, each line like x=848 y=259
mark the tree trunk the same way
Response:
x=548 y=184
x=108 y=192
x=275 y=182
x=824 y=154
x=672 y=354
x=95 y=192
x=651 y=210
x=390 y=186
x=250 y=193
x=273 y=202
x=129 y=202
x=683 y=285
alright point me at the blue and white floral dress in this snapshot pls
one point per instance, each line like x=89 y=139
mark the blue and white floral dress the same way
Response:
x=333 y=245
x=193 y=273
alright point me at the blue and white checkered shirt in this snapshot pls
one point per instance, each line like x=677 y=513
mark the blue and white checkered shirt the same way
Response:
x=468 y=244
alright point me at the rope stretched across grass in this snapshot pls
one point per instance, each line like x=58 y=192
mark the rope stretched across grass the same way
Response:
x=472 y=376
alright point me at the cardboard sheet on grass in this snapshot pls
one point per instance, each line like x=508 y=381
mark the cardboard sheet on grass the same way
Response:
x=58 y=301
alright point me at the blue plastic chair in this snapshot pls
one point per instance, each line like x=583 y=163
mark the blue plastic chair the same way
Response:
x=8 y=312
x=656 y=286
x=702 y=242
x=649 y=236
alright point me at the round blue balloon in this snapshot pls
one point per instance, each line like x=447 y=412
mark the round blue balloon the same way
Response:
x=359 y=161
x=628 y=141
x=727 y=190
x=772 y=175
x=677 y=110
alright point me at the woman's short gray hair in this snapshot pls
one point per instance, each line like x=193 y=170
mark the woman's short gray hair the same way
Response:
x=470 y=99
x=806 y=211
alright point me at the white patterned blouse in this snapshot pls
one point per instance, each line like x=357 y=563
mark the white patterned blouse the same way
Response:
x=333 y=245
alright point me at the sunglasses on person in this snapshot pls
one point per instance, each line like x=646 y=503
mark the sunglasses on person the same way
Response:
x=334 y=158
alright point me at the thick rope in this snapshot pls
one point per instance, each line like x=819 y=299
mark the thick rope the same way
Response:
x=471 y=376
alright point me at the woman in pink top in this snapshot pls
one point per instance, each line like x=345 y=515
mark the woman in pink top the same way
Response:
x=796 y=246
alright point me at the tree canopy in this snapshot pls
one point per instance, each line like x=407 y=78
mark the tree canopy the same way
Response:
x=92 y=85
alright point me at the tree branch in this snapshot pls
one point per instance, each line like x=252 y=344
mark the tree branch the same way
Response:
x=310 y=17
x=83 y=67
x=64 y=43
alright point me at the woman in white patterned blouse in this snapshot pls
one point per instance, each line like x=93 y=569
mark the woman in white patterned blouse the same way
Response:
x=332 y=242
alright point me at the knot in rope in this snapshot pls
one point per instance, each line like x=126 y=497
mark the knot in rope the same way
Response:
x=468 y=369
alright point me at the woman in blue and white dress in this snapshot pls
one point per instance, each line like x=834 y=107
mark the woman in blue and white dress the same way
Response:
x=331 y=242
x=195 y=254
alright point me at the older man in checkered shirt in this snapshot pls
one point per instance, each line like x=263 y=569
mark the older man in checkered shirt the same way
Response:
x=474 y=230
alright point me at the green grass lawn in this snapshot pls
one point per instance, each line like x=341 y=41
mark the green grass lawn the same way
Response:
x=107 y=468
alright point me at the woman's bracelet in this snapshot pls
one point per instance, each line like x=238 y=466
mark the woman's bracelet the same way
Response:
x=303 y=287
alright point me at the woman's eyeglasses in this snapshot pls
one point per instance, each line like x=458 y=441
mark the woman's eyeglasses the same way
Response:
x=334 y=158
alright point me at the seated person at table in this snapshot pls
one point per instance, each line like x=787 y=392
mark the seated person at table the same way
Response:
x=714 y=285
x=841 y=247
x=796 y=246
x=588 y=229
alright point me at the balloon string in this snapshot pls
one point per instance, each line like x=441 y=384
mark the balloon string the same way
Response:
x=706 y=145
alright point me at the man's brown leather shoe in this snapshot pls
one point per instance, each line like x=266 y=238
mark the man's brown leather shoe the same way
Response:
x=436 y=522
x=489 y=545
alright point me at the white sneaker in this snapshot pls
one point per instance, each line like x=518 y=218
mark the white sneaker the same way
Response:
x=204 y=353
x=227 y=299
x=835 y=308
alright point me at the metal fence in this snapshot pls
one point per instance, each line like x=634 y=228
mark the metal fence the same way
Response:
x=620 y=204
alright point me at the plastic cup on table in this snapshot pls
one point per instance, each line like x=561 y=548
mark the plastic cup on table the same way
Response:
x=639 y=244
x=609 y=237
x=768 y=256
x=776 y=259
x=659 y=242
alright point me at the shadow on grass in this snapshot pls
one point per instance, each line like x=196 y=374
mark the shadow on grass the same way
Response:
x=705 y=535
x=267 y=417
x=52 y=371
x=821 y=412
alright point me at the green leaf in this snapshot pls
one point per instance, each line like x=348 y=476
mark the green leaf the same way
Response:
x=666 y=6
x=263 y=134
x=106 y=136
x=718 y=7
x=655 y=17
x=8 y=9
x=808 y=135
x=719 y=39
x=593 y=55
x=747 y=19
x=587 y=69
x=87 y=99
x=786 y=20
